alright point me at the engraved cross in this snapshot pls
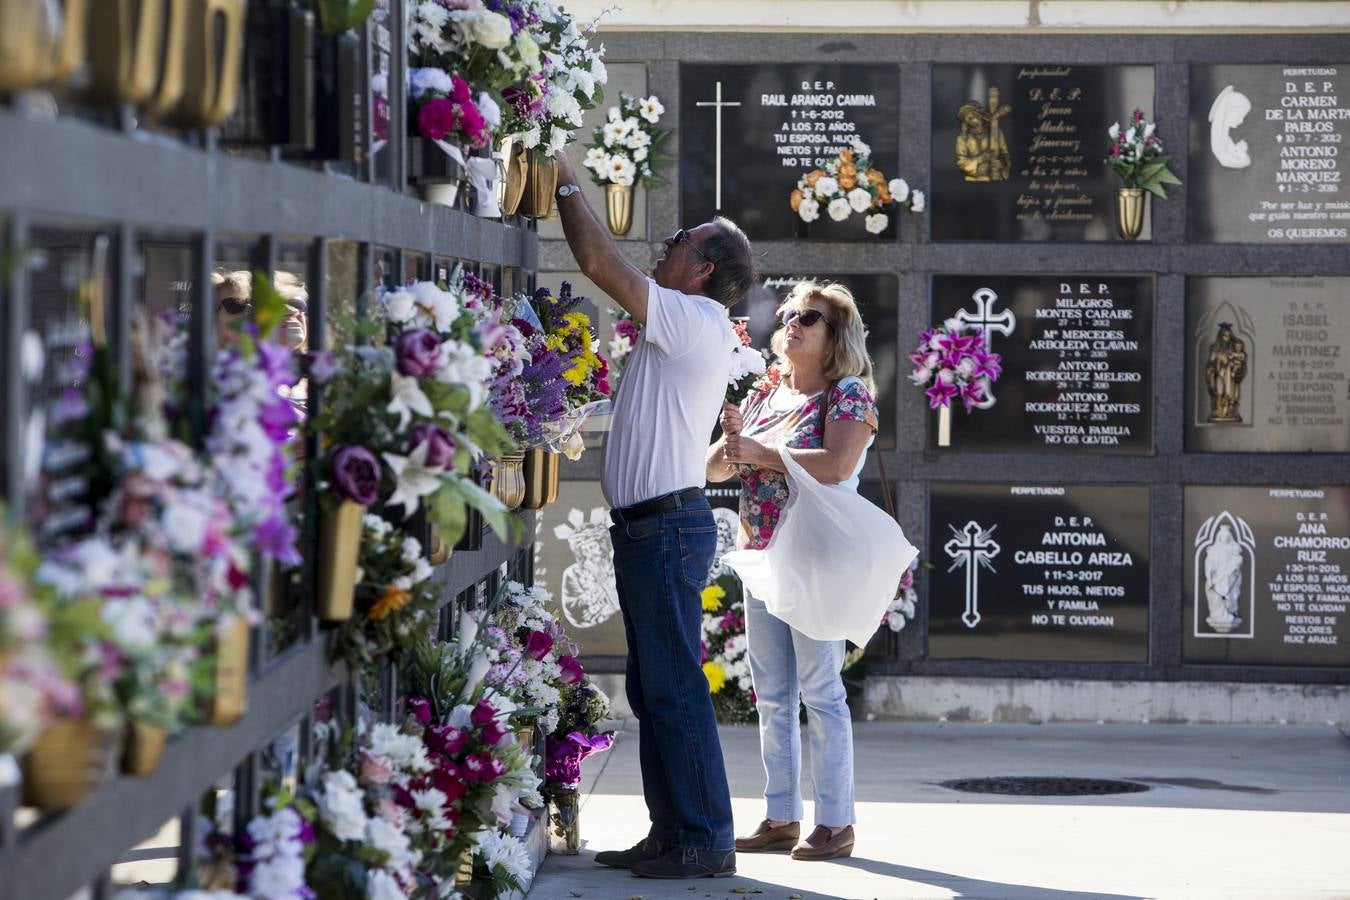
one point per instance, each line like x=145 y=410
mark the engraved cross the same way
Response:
x=717 y=103
x=987 y=321
x=972 y=547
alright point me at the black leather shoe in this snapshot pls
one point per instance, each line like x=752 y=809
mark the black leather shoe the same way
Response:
x=686 y=862
x=644 y=850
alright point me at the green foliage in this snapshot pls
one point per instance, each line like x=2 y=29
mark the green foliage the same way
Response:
x=342 y=15
x=269 y=309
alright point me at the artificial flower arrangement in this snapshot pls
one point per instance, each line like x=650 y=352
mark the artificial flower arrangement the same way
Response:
x=952 y=361
x=568 y=332
x=395 y=599
x=905 y=605
x=445 y=110
x=626 y=149
x=849 y=184
x=1137 y=156
x=748 y=365
x=626 y=331
x=726 y=653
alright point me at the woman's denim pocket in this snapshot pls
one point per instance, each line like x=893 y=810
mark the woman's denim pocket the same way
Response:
x=697 y=546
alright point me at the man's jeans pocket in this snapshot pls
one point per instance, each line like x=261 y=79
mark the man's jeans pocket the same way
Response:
x=697 y=546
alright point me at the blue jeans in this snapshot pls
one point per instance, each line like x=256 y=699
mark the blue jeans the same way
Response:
x=786 y=665
x=661 y=563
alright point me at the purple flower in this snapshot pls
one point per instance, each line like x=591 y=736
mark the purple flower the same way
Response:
x=447 y=740
x=440 y=445
x=572 y=672
x=483 y=713
x=562 y=758
x=277 y=418
x=418 y=352
x=276 y=537
x=538 y=644
x=492 y=733
x=356 y=474
x=319 y=365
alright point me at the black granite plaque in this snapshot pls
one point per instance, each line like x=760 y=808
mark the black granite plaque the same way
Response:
x=877 y=297
x=1267 y=576
x=1077 y=361
x=1018 y=149
x=1268 y=364
x=1054 y=573
x=749 y=132
x=1266 y=161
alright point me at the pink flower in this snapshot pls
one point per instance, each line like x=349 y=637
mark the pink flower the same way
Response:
x=437 y=118
x=447 y=740
x=483 y=713
x=375 y=769
x=421 y=709
x=572 y=672
x=538 y=644
x=491 y=733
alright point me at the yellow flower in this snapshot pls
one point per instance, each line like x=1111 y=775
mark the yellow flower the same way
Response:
x=578 y=320
x=577 y=374
x=393 y=600
x=716 y=677
x=712 y=598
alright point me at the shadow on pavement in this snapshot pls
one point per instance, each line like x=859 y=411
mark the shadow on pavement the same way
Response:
x=973 y=887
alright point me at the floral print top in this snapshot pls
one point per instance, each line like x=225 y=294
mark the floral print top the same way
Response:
x=764 y=492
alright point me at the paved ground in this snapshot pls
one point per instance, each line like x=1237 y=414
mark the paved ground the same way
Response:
x=1232 y=812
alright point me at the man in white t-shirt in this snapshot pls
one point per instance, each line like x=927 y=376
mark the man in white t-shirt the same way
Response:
x=664 y=534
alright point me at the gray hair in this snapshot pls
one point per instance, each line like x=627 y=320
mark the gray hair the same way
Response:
x=728 y=249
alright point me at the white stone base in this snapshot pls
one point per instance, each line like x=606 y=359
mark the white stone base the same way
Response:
x=1072 y=700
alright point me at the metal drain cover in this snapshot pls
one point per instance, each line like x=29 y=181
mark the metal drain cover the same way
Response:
x=1040 y=786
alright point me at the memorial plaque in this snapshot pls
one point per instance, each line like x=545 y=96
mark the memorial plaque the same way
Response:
x=1268 y=364
x=1018 y=149
x=1265 y=163
x=1051 y=573
x=1077 y=361
x=1267 y=576
x=877 y=297
x=749 y=132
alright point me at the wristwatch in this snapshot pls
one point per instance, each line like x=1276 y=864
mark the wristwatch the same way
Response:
x=568 y=190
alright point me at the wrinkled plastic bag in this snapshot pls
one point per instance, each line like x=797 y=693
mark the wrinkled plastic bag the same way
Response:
x=833 y=563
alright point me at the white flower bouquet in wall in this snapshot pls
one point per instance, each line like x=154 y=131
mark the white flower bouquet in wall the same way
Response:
x=849 y=185
x=627 y=151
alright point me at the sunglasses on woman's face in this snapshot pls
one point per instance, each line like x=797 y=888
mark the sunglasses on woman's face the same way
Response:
x=234 y=306
x=807 y=317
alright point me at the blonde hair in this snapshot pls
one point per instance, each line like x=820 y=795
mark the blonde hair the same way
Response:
x=847 y=354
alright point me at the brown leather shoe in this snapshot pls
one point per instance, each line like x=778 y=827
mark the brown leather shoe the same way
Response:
x=820 y=844
x=768 y=839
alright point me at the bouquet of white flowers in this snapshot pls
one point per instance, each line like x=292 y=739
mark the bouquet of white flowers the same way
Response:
x=849 y=184
x=627 y=146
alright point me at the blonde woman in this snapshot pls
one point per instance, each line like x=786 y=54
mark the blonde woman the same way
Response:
x=823 y=411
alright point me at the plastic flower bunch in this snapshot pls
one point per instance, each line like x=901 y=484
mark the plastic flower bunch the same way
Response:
x=394 y=597
x=544 y=110
x=726 y=657
x=903 y=608
x=627 y=148
x=849 y=184
x=547 y=657
x=952 y=362
x=445 y=109
x=1137 y=155
x=626 y=332
x=34 y=688
x=568 y=331
x=747 y=366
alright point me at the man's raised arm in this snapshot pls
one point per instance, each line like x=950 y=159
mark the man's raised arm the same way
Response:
x=595 y=250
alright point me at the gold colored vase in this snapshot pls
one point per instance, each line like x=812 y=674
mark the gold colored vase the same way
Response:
x=944 y=426
x=619 y=207
x=27 y=44
x=525 y=737
x=541 y=180
x=145 y=746
x=508 y=479
x=66 y=762
x=541 y=477
x=125 y=55
x=229 y=688
x=339 y=550
x=513 y=185
x=1130 y=212
x=464 y=874
x=440 y=550
x=215 y=52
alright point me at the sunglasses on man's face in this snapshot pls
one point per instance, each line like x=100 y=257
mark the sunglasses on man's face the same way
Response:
x=235 y=306
x=807 y=317
x=682 y=236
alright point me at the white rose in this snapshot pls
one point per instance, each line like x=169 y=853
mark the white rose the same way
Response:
x=809 y=210
x=340 y=806
x=490 y=29
x=916 y=202
x=899 y=189
x=826 y=186
x=838 y=209
x=859 y=199
x=861 y=149
x=388 y=839
x=876 y=224
x=527 y=49
x=1114 y=131
x=400 y=306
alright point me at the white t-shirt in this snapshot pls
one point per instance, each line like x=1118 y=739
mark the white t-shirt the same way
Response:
x=670 y=395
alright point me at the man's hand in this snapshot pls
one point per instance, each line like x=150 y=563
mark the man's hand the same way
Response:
x=595 y=251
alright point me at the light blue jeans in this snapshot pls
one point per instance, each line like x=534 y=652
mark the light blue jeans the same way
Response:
x=785 y=665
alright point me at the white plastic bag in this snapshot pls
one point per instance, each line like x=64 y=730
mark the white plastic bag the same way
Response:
x=833 y=563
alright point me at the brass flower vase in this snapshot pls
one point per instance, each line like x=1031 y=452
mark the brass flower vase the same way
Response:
x=513 y=185
x=1130 y=212
x=944 y=426
x=464 y=874
x=440 y=551
x=229 y=679
x=66 y=763
x=508 y=479
x=619 y=207
x=339 y=550
x=541 y=477
x=145 y=747
x=541 y=180
x=564 y=821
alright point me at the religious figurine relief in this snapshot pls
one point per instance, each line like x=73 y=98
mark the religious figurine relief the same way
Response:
x=1225 y=368
x=1224 y=554
x=1225 y=114
x=728 y=523
x=981 y=150
x=588 y=594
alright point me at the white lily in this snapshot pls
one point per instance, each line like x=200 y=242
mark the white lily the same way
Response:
x=414 y=478
x=407 y=399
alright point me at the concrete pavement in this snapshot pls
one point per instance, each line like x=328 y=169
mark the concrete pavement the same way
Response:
x=1232 y=811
